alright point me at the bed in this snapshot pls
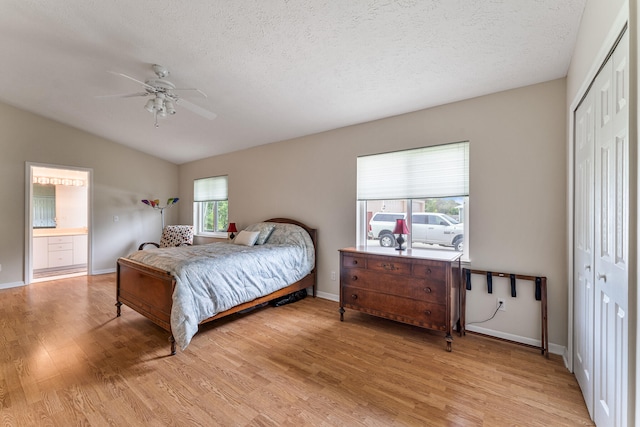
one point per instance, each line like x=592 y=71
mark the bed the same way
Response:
x=173 y=287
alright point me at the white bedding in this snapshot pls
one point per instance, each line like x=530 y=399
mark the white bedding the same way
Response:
x=215 y=277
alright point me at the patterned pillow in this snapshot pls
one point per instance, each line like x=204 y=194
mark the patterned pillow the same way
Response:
x=265 y=229
x=176 y=235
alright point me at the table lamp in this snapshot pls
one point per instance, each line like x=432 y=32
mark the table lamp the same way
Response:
x=401 y=228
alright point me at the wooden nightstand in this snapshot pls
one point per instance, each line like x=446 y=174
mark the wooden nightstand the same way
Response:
x=415 y=287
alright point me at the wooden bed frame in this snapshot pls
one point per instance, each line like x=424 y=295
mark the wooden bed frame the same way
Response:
x=148 y=290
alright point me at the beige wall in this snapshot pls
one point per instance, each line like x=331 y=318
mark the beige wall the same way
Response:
x=121 y=177
x=517 y=184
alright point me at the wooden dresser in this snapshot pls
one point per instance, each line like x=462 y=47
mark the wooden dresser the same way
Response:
x=415 y=287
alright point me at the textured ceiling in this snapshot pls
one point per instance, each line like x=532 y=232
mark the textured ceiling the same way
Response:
x=272 y=69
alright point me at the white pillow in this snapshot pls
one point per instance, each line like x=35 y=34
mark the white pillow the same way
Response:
x=247 y=238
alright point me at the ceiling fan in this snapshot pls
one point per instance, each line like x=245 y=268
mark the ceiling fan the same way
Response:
x=163 y=95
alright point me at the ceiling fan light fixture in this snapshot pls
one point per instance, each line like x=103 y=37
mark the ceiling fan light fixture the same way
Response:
x=158 y=103
x=149 y=106
x=168 y=105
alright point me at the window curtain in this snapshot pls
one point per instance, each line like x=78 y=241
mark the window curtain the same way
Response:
x=429 y=172
x=210 y=189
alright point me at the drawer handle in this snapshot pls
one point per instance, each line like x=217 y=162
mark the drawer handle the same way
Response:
x=355 y=262
x=390 y=267
x=427 y=312
x=354 y=278
x=428 y=271
x=427 y=290
x=354 y=296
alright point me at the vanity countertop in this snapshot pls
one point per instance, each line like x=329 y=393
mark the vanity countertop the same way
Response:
x=45 y=232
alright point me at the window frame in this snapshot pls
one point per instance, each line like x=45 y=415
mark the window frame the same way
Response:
x=363 y=211
x=200 y=215
x=206 y=191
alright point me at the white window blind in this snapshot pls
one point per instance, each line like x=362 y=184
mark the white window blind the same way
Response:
x=429 y=172
x=210 y=189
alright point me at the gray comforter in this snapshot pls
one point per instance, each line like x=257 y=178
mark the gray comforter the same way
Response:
x=215 y=277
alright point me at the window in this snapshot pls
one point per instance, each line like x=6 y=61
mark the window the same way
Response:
x=210 y=206
x=428 y=187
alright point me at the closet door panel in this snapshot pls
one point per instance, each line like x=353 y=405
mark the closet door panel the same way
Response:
x=583 y=248
x=611 y=240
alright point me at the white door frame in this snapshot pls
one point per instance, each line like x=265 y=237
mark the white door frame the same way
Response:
x=28 y=239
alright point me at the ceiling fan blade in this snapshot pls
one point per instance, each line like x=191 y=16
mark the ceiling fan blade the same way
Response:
x=134 y=79
x=190 y=88
x=196 y=109
x=124 y=95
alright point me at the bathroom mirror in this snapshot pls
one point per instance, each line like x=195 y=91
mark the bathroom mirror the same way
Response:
x=44 y=206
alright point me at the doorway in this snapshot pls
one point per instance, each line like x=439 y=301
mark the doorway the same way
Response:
x=58 y=222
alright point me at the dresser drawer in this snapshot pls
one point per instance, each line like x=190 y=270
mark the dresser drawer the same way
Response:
x=60 y=239
x=435 y=272
x=60 y=258
x=421 y=313
x=389 y=266
x=354 y=261
x=60 y=247
x=409 y=286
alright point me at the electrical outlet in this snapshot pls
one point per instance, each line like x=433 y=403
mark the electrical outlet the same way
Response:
x=500 y=304
x=333 y=276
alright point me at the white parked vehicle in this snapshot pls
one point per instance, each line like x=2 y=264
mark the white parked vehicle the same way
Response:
x=426 y=227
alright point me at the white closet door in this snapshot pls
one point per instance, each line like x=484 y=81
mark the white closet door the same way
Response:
x=583 y=248
x=611 y=240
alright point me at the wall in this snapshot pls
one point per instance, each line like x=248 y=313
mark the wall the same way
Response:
x=517 y=185
x=121 y=177
x=71 y=206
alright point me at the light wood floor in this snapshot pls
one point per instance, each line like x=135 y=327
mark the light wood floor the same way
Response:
x=65 y=359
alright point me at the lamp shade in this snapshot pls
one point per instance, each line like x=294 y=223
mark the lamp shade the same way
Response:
x=232 y=228
x=401 y=227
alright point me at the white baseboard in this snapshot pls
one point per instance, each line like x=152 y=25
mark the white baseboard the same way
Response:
x=105 y=271
x=326 y=295
x=11 y=285
x=18 y=284
x=553 y=348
